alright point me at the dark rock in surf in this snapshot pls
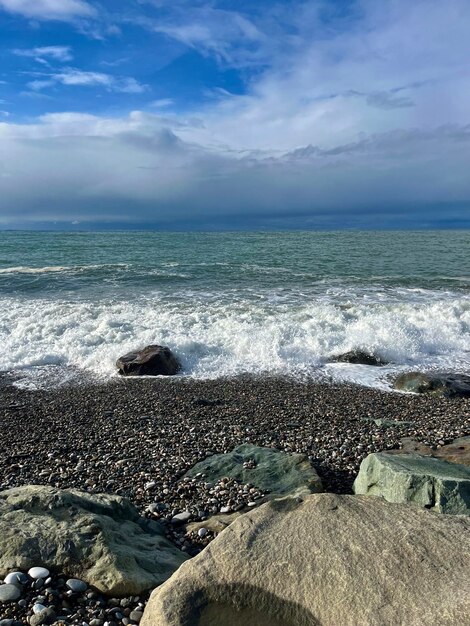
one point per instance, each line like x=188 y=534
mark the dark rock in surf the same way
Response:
x=449 y=385
x=358 y=357
x=151 y=361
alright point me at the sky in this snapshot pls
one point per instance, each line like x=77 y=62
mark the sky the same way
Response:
x=224 y=114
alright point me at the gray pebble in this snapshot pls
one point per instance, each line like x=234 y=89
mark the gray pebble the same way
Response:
x=181 y=518
x=76 y=585
x=9 y=593
x=136 y=616
x=15 y=578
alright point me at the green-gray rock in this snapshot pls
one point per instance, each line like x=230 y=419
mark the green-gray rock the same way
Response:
x=325 y=560
x=449 y=385
x=97 y=538
x=426 y=481
x=277 y=472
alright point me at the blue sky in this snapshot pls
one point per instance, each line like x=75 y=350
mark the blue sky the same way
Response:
x=222 y=114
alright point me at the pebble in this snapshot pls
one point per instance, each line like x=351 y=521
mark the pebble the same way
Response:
x=9 y=593
x=37 y=608
x=202 y=532
x=77 y=586
x=181 y=518
x=16 y=578
x=38 y=572
x=136 y=616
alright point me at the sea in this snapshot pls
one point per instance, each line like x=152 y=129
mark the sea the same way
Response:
x=257 y=303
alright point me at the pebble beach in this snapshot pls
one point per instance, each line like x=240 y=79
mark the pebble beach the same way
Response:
x=136 y=438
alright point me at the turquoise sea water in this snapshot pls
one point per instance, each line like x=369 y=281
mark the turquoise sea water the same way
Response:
x=229 y=303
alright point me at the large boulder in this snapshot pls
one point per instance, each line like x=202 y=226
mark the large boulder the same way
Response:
x=267 y=469
x=98 y=538
x=325 y=560
x=151 y=361
x=359 y=357
x=449 y=385
x=426 y=481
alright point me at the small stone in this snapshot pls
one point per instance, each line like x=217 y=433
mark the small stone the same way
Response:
x=9 y=593
x=77 y=586
x=202 y=532
x=38 y=608
x=181 y=518
x=41 y=617
x=16 y=578
x=136 y=616
x=38 y=572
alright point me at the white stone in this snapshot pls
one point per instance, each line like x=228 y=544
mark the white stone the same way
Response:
x=37 y=608
x=38 y=572
x=14 y=578
x=202 y=532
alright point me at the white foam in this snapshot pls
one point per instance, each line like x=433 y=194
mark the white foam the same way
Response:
x=22 y=269
x=256 y=332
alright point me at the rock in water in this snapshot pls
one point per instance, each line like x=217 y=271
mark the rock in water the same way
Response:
x=151 y=361
x=426 y=481
x=327 y=559
x=267 y=469
x=357 y=357
x=450 y=385
x=97 y=538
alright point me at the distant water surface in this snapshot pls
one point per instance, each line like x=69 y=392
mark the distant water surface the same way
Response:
x=230 y=303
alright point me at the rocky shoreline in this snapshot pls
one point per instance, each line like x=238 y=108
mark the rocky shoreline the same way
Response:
x=136 y=438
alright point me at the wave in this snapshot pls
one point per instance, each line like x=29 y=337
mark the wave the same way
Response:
x=223 y=334
x=21 y=269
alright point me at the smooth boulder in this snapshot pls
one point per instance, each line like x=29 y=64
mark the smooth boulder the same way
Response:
x=325 y=560
x=425 y=481
x=97 y=538
x=267 y=469
x=150 y=361
x=449 y=385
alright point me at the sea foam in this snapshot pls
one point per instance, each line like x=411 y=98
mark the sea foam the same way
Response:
x=225 y=334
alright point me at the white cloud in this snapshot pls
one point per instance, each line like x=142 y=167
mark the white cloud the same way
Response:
x=56 y=53
x=228 y=35
x=63 y=10
x=76 y=77
x=161 y=103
